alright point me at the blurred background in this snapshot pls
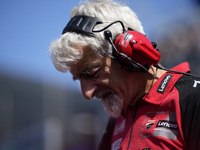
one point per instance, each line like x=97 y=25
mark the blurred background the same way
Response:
x=43 y=109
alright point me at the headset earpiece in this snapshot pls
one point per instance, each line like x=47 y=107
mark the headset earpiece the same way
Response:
x=136 y=47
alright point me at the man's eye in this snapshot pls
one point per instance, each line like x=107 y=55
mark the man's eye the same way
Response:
x=91 y=73
x=88 y=73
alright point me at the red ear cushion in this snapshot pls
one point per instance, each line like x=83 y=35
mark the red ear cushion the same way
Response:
x=138 y=47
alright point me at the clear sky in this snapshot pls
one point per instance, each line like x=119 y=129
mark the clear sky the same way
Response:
x=28 y=26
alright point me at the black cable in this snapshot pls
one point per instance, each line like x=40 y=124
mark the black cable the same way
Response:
x=162 y=68
x=118 y=21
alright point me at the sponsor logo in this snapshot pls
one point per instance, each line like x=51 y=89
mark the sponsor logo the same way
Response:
x=164 y=83
x=150 y=123
x=167 y=128
x=125 y=39
x=167 y=124
x=195 y=83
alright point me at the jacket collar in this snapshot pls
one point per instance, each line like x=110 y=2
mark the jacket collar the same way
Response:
x=165 y=84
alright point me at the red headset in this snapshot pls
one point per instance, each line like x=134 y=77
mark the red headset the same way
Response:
x=130 y=48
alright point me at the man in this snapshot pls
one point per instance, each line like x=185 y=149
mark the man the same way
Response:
x=104 y=47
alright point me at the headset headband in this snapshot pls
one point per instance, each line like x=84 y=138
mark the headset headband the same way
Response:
x=82 y=24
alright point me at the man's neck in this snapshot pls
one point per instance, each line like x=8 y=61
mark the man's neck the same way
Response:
x=146 y=82
x=157 y=73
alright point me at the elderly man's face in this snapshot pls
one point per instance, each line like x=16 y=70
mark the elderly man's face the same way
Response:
x=106 y=80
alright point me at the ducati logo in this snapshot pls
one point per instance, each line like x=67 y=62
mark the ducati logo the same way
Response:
x=150 y=123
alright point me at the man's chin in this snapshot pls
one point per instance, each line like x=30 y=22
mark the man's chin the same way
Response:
x=113 y=105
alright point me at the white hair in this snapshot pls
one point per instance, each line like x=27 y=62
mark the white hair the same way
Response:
x=63 y=51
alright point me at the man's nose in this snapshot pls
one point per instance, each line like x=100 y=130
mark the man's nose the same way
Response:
x=88 y=88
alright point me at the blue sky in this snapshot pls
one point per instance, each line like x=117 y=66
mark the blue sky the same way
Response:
x=28 y=26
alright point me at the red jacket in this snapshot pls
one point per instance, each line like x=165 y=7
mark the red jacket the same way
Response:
x=162 y=119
